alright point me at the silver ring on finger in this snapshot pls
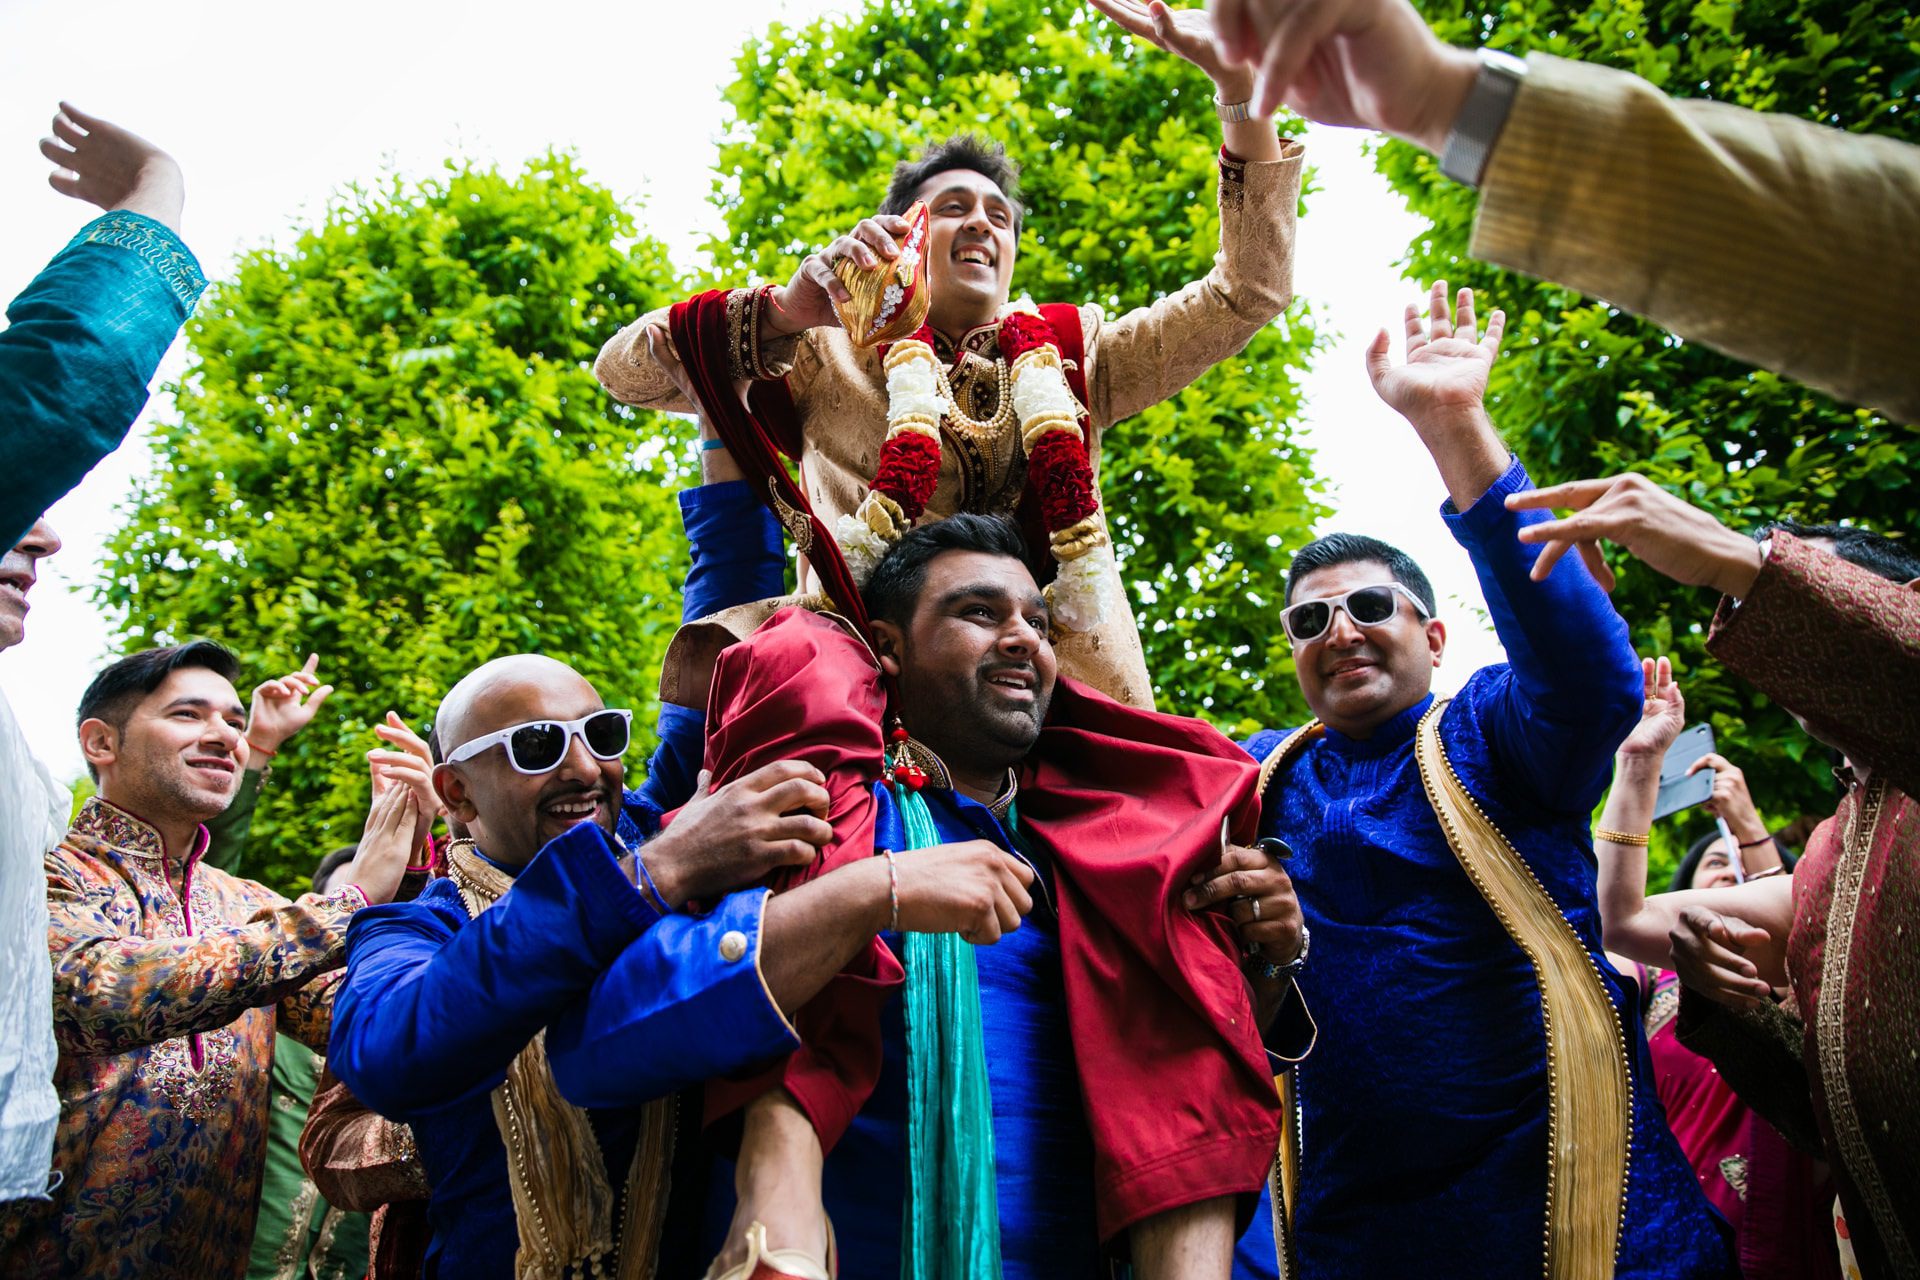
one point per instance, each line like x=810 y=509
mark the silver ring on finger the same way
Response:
x=1256 y=907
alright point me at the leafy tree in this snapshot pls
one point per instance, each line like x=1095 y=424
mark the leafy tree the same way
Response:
x=1584 y=389
x=390 y=448
x=1206 y=494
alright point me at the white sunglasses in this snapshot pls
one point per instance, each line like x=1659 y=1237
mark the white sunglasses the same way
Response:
x=538 y=746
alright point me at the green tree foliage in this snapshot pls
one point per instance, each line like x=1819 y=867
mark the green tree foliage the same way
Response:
x=391 y=449
x=1207 y=494
x=1586 y=390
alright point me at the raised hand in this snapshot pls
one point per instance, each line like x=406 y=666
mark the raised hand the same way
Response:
x=386 y=845
x=806 y=301
x=1667 y=534
x=409 y=764
x=1185 y=33
x=283 y=707
x=1447 y=363
x=1662 y=716
x=973 y=888
x=105 y=165
x=726 y=839
x=1369 y=64
x=1730 y=799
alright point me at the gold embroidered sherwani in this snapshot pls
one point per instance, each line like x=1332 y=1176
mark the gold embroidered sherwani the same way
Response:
x=1764 y=236
x=170 y=978
x=1132 y=362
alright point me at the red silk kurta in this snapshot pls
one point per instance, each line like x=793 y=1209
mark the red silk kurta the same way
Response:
x=1128 y=805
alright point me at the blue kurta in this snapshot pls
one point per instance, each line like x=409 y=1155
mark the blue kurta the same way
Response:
x=1424 y=1103
x=82 y=342
x=1043 y=1151
x=435 y=1006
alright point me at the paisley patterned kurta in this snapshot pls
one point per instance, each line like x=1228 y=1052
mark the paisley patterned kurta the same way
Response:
x=169 y=979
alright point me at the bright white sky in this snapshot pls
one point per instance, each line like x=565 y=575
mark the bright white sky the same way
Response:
x=270 y=108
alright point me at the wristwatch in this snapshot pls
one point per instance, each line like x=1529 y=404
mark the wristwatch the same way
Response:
x=1275 y=972
x=1482 y=116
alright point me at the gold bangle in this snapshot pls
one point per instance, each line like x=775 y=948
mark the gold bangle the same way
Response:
x=1621 y=837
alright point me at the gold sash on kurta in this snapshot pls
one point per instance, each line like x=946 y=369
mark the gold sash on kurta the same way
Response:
x=563 y=1205
x=1589 y=1094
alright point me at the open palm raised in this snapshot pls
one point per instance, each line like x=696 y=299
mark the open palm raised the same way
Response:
x=1447 y=360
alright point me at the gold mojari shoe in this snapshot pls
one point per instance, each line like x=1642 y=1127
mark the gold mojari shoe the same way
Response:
x=889 y=301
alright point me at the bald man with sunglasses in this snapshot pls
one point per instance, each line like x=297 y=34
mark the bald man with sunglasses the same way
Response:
x=1480 y=1070
x=565 y=885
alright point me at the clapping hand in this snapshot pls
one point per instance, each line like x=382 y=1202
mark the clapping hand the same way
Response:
x=386 y=845
x=105 y=165
x=409 y=765
x=283 y=707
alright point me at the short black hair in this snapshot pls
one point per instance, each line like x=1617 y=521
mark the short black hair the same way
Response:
x=894 y=589
x=116 y=691
x=332 y=863
x=1874 y=552
x=1352 y=548
x=961 y=151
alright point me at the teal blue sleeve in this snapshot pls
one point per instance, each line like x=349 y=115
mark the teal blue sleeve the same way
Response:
x=82 y=343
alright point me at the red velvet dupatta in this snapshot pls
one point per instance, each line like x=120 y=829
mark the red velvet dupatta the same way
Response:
x=1127 y=804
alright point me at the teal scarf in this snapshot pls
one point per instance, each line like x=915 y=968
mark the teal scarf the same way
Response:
x=952 y=1221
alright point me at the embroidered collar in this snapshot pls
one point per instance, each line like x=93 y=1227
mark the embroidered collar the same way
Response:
x=1388 y=736
x=115 y=828
x=940 y=776
x=981 y=340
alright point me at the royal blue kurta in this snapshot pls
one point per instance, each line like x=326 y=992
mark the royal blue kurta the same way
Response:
x=435 y=1006
x=1043 y=1150
x=1424 y=1103
x=82 y=342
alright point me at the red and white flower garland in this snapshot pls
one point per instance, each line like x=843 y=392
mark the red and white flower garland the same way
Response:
x=1051 y=435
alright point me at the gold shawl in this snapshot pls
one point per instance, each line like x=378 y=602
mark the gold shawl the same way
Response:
x=1589 y=1093
x=562 y=1203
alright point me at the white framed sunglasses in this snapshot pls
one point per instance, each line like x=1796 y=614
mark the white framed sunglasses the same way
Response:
x=538 y=746
x=1308 y=620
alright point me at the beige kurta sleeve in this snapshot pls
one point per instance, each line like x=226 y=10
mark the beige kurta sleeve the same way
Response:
x=1151 y=352
x=1767 y=237
x=630 y=374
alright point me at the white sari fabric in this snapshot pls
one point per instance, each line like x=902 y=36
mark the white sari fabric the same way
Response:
x=33 y=816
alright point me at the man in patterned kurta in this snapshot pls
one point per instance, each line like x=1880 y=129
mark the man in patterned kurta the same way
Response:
x=169 y=981
x=1833 y=636
x=1130 y=362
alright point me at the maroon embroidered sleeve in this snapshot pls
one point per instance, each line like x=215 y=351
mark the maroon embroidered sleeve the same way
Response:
x=1837 y=645
x=114 y=992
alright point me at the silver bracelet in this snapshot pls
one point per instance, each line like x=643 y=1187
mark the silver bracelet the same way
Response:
x=893 y=891
x=1233 y=112
x=1275 y=972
